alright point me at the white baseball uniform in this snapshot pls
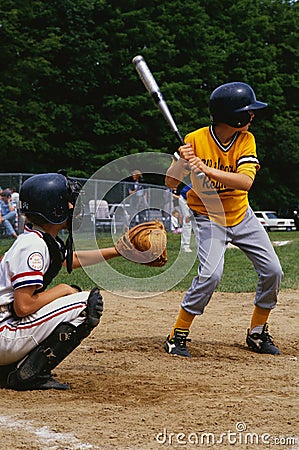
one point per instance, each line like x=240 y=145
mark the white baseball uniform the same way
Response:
x=24 y=264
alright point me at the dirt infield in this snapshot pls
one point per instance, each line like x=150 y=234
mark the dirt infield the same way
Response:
x=127 y=393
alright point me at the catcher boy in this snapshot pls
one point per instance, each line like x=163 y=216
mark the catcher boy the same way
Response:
x=39 y=327
x=225 y=153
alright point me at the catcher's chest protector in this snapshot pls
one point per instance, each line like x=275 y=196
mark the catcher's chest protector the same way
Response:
x=57 y=252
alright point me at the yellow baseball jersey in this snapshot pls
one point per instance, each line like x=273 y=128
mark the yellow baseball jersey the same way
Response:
x=210 y=197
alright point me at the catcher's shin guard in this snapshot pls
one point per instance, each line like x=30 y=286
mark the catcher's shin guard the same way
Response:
x=47 y=355
x=37 y=366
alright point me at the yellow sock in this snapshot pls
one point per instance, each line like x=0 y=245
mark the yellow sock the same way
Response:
x=259 y=317
x=183 y=322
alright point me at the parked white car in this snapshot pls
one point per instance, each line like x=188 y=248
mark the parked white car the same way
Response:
x=271 y=221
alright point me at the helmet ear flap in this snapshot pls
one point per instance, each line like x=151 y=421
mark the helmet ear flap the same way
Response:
x=240 y=120
x=237 y=120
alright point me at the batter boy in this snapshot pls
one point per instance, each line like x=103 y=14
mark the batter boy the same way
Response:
x=225 y=153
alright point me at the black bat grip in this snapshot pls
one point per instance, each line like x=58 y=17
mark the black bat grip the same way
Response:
x=182 y=142
x=179 y=137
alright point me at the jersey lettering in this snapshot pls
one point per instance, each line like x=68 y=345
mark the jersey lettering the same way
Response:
x=238 y=156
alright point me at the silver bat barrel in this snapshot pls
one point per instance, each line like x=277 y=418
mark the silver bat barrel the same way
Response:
x=150 y=84
x=153 y=89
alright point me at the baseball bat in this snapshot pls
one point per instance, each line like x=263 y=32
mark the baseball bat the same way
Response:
x=150 y=84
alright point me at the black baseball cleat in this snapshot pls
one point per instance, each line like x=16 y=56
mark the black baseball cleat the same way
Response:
x=177 y=344
x=262 y=342
x=48 y=382
x=94 y=309
x=41 y=383
x=4 y=372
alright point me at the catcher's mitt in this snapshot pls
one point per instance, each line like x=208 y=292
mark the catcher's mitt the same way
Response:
x=144 y=244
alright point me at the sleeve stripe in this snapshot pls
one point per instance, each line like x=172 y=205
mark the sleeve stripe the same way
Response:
x=37 y=282
x=26 y=274
x=247 y=160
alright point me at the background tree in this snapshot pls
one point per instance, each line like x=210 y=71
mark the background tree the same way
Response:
x=70 y=96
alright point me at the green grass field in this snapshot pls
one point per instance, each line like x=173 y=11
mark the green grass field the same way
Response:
x=238 y=275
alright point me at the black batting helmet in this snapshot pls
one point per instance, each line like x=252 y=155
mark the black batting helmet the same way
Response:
x=230 y=103
x=48 y=195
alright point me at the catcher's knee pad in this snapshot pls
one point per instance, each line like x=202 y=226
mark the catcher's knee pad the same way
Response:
x=47 y=355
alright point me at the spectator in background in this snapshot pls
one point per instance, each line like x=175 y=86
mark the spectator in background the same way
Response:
x=138 y=203
x=20 y=221
x=186 y=226
x=171 y=202
x=176 y=222
x=167 y=208
x=296 y=218
x=15 y=197
x=8 y=213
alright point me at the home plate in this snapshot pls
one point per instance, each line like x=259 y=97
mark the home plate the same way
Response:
x=44 y=436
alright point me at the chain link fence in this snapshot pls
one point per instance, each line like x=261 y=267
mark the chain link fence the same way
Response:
x=107 y=203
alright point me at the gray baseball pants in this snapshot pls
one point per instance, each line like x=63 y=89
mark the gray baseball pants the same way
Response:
x=212 y=241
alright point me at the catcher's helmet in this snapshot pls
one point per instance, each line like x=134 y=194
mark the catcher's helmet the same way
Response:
x=230 y=103
x=48 y=195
